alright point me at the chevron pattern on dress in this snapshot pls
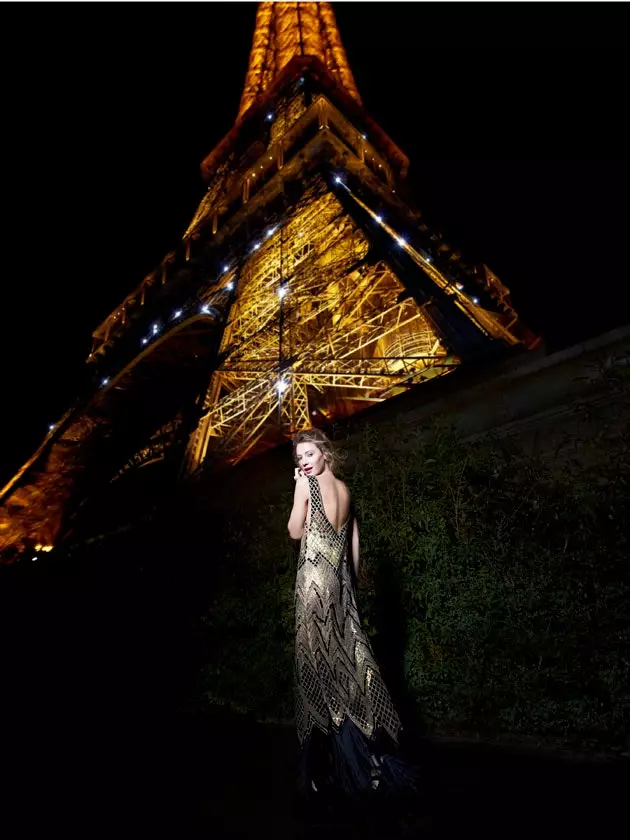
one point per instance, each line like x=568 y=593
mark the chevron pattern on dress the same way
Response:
x=336 y=675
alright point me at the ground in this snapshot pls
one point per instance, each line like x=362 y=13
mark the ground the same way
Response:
x=96 y=741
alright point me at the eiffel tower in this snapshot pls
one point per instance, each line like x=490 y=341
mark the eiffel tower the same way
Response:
x=306 y=288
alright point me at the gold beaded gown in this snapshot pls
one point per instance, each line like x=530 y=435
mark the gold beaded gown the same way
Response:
x=346 y=721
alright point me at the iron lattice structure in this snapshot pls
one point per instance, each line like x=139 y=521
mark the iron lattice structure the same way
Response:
x=307 y=287
x=316 y=329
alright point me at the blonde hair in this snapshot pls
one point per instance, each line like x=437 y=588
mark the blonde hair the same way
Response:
x=332 y=456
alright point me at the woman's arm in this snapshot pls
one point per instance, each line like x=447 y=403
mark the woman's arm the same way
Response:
x=355 y=546
x=300 y=507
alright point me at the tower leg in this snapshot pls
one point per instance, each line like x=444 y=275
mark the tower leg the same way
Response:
x=294 y=413
x=459 y=332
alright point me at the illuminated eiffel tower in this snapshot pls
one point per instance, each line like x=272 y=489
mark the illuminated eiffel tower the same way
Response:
x=343 y=297
x=306 y=288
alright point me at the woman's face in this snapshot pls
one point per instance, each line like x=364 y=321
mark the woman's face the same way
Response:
x=310 y=458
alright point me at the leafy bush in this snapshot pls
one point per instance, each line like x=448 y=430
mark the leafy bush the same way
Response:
x=251 y=619
x=512 y=578
x=494 y=585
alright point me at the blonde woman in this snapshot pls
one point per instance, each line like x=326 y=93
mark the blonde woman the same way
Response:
x=346 y=722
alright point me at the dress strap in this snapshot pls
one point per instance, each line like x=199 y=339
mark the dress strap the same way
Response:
x=313 y=489
x=317 y=501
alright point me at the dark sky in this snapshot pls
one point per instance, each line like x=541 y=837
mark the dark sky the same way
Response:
x=108 y=110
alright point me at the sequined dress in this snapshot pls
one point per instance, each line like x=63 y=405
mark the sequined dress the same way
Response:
x=346 y=721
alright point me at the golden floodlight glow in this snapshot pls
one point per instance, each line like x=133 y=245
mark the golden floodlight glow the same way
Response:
x=286 y=30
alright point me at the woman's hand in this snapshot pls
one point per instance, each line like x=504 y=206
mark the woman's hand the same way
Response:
x=298 y=475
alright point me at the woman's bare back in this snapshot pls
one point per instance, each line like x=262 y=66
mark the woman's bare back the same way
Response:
x=336 y=500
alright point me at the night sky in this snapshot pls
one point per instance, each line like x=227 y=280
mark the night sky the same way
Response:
x=108 y=112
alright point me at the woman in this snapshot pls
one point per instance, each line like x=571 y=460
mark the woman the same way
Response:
x=346 y=722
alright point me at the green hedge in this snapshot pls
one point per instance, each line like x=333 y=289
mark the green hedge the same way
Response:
x=495 y=586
